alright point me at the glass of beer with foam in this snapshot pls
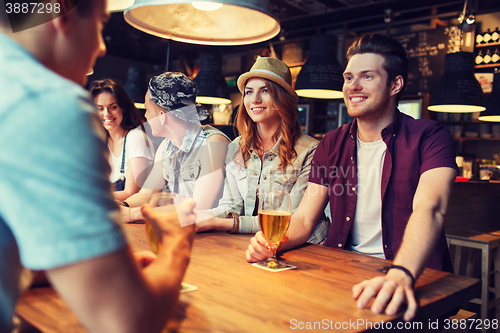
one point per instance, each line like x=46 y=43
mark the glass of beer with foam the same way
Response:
x=274 y=218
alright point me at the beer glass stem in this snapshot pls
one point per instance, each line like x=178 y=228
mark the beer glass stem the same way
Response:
x=273 y=261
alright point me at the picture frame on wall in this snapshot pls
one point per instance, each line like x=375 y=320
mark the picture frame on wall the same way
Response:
x=412 y=107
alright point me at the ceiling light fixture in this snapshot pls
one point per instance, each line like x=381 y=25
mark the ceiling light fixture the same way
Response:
x=458 y=89
x=236 y=22
x=212 y=87
x=206 y=6
x=119 y=5
x=321 y=75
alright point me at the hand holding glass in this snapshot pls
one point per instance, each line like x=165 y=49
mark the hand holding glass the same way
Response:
x=274 y=219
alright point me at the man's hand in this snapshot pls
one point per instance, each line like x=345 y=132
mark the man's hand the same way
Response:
x=144 y=258
x=178 y=221
x=391 y=291
x=258 y=248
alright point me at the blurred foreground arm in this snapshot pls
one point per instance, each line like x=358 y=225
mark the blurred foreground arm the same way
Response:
x=113 y=294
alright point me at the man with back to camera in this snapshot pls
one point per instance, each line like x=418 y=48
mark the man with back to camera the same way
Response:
x=57 y=213
x=397 y=170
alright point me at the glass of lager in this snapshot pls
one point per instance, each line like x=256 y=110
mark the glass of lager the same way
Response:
x=274 y=219
x=164 y=202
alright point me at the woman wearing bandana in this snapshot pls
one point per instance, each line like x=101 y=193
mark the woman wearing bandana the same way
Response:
x=190 y=160
x=270 y=154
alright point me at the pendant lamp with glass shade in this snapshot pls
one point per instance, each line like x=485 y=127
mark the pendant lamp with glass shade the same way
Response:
x=321 y=75
x=212 y=87
x=458 y=89
x=492 y=112
x=225 y=22
x=119 y=5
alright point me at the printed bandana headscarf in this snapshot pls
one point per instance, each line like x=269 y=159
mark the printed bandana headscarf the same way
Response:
x=176 y=93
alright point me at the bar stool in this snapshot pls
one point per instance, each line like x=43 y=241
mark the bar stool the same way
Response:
x=489 y=244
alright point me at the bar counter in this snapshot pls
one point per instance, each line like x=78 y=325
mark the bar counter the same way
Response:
x=234 y=296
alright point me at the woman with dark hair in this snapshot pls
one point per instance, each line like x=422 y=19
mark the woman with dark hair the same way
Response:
x=131 y=153
x=270 y=153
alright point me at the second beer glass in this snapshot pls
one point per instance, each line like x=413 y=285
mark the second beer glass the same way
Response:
x=164 y=201
x=274 y=219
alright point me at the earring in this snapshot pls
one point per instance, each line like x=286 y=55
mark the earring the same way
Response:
x=162 y=118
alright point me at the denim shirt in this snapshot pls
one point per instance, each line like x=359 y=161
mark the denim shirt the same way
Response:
x=181 y=166
x=242 y=183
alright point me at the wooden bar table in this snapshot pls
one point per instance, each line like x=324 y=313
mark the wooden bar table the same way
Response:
x=234 y=296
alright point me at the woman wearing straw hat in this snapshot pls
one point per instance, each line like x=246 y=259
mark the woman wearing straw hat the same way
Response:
x=190 y=161
x=270 y=152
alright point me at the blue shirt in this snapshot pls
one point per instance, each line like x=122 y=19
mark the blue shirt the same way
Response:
x=413 y=147
x=56 y=207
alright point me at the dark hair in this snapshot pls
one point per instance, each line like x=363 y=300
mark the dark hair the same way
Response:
x=396 y=60
x=289 y=128
x=84 y=8
x=131 y=116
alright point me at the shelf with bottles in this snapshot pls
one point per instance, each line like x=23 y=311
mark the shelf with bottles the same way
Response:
x=487 y=49
x=488 y=37
x=488 y=45
x=495 y=65
x=486 y=58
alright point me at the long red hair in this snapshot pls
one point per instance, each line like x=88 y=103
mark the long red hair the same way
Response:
x=289 y=128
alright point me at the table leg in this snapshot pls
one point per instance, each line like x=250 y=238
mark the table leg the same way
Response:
x=485 y=278
x=496 y=260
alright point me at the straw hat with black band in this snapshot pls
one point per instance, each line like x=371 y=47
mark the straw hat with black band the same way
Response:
x=272 y=69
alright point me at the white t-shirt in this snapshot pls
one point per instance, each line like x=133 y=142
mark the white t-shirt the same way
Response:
x=366 y=231
x=136 y=146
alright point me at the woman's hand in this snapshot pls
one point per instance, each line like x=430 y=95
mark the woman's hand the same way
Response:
x=258 y=248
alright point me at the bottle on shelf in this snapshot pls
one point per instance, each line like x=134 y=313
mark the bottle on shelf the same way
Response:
x=487 y=36
x=495 y=36
x=495 y=58
x=479 y=39
x=487 y=57
x=479 y=58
